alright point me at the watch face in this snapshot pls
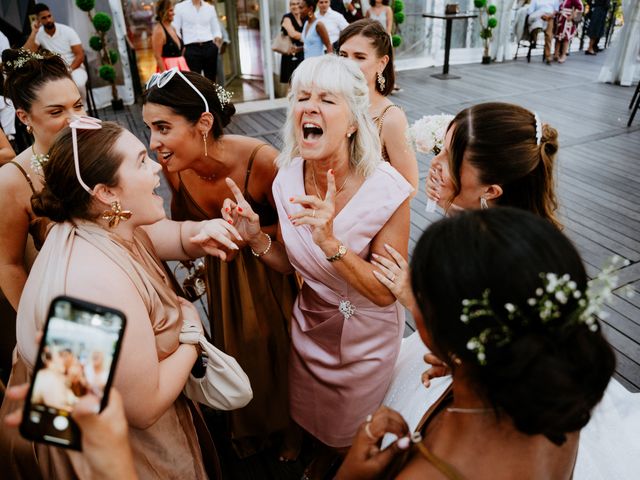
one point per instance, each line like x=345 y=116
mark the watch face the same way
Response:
x=342 y=250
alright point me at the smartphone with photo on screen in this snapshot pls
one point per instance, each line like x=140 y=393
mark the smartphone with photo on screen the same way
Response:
x=77 y=356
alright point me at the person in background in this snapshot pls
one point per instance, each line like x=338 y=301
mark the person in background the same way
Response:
x=381 y=12
x=597 y=22
x=565 y=27
x=291 y=25
x=332 y=20
x=61 y=39
x=166 y=43
x=541 y=15
x=314 y=34
x=7 y=112
x=197 y=23
x=368 y=44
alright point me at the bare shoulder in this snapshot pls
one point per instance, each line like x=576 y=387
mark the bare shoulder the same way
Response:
x=395 y=124
x=13 y=182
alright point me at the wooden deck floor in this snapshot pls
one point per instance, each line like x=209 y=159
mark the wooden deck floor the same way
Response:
x=598 y=165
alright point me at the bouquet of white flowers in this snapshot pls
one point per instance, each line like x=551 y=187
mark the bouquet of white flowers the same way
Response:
x=428 y=133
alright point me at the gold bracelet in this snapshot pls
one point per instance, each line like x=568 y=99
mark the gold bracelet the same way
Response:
x=266 y=250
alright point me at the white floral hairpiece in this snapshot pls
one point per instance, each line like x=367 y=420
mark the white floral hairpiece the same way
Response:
x=555 y=292
x=23 y=57
x=538 y=128
x=224 y=96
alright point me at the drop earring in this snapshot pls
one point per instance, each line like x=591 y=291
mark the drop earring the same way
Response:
x=381 y=81
x=115 y=214
x=483 y=203
x=204 y=139
x=29 y=129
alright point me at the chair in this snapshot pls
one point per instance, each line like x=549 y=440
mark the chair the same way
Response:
x=528 y=40
x=634 y=105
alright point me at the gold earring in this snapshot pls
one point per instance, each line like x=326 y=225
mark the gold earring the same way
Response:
x=29 y=129
x=204 y=139
x=115 y=214
x=381 y=81
x=457 y=361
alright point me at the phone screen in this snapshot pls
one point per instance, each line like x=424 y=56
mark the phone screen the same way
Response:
x=77 y=356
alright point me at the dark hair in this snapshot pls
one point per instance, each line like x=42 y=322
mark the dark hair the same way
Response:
x=549 y=375
x=62 y=197
x=373 y=2
x=311 y=4
x=26 y=74
x=499 y=140
x=162 y=6
x=40 y=7
x=182 y=100
x=381 y=41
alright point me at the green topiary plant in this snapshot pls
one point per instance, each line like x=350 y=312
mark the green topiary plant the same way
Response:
x=487 y=23
x=398 y=18
x=396 y=41
x=398 y=6
x=108 y=57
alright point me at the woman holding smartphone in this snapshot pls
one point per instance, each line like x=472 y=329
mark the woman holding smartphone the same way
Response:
x=107 y=247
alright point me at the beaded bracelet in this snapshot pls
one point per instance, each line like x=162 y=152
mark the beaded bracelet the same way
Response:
x=266 y=250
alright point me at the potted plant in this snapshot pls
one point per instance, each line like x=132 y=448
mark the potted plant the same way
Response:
x=108 y=57
x=488 y=22
x=398 y=18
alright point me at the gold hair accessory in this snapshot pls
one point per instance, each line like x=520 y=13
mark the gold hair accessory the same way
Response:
x=115 y=214
x=381 y=81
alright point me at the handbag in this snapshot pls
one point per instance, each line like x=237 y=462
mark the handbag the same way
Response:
x=281 y=43
x=224 y=385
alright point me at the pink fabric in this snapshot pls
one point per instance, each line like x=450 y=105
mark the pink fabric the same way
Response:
x=339 y=368
x=565 y=28
x=179 y=62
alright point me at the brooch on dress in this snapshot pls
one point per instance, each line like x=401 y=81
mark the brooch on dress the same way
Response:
x=347 y=309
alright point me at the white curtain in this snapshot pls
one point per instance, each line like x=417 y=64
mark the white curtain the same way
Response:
x=623 y=63
x=501 y=46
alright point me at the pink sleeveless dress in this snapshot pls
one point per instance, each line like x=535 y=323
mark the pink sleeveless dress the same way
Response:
x=344 y=346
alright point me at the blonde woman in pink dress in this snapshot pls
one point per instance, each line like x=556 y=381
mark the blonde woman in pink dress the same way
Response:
x=339 y=206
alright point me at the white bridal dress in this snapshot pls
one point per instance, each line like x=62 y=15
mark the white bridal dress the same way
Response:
x=609 y=444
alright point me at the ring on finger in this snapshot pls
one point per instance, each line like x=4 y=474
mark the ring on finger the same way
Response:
x=392 y=277
x=367 y=431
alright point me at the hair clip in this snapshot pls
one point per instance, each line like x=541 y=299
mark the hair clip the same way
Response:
x=24 y=56
x=224 y=96
x=538 y=128
x=83 y=122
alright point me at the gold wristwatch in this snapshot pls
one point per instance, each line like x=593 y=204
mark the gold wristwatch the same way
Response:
x=342 y=251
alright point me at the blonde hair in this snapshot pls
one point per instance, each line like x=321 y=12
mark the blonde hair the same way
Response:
x=343 y=77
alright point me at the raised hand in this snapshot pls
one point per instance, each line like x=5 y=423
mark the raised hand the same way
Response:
x=395 y=276
x=317 y=213
x=239 y=213
x=215 y=236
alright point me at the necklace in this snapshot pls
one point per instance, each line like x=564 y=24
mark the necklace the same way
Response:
x=468 y=410
x=210 y=178
x=315 y=185
x=38 y=161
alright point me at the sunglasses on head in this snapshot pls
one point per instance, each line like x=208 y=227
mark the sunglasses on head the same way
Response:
x=162 y=78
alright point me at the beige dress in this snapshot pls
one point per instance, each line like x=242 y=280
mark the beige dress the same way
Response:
x=169 y=448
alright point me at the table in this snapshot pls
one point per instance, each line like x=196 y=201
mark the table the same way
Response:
x=447 y=39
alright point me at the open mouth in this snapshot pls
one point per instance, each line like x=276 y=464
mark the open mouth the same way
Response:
x=164 y=157
x=156 y=189
x=311 y=131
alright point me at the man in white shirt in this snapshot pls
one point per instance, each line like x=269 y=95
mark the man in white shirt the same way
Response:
x=197 y=22
x=332 y=20
x=541 y=15
x=60 y=39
